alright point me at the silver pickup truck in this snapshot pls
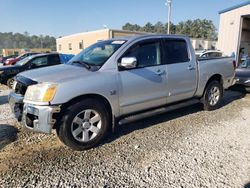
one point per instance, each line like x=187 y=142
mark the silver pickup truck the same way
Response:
x=117 y=81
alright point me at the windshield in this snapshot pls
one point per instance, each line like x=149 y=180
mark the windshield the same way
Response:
x=245 y=64
x=24 y=61
x=97 y=54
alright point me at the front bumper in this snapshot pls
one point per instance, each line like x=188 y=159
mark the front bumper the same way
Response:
x=39 y=118
x=33 y=117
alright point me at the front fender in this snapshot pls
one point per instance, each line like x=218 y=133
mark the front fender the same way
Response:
x=103 y=84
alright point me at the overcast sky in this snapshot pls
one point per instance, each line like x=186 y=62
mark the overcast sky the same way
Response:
x=63 y=17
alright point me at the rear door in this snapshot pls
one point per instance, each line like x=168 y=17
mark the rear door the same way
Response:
x=181 y=70
x=143 y=87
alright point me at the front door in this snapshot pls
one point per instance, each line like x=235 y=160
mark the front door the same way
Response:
x=143 y=87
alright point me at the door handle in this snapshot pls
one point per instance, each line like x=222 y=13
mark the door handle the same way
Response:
x=160 y=72
x=191 y=67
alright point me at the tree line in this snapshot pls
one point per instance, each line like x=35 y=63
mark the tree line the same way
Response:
x=199 y=28
x=25 y=41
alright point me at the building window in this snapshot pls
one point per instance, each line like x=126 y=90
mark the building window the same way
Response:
x=59 y=47
x=70 y=46
x=81 y=45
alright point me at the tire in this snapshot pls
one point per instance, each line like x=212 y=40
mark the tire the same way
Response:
x=79 y=130
x=10 y=82
x=213 y=95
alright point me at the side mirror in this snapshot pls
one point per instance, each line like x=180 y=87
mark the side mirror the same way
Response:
x=128 y=62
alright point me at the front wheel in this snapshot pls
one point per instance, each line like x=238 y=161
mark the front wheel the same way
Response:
x=84 y=125
x=213 y=96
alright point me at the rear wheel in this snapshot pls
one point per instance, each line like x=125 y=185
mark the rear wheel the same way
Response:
x=10 y=82
x=84 y=124
x=213 y=96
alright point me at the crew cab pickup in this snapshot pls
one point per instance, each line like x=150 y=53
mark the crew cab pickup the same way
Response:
x=118 y=81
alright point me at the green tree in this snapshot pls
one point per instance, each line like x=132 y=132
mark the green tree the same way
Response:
x=18 y=40
x=204 y=29
x=159 y=28
x=148 y=28
x=198 y=28
x=131 y=27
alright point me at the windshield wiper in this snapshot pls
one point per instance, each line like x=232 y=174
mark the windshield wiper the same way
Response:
x=86 y=65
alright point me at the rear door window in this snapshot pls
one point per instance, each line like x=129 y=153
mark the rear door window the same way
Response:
x=54 y=59
x=176 y=51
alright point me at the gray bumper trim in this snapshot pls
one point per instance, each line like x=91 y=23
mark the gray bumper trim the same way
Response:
x=44 y=122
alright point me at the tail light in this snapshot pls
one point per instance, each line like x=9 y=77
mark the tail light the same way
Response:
x=234 y=64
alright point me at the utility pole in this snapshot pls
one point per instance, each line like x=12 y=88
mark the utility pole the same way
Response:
x=169 y=5
x=41 y=43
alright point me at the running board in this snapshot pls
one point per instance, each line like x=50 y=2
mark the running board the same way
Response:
x=158 y=111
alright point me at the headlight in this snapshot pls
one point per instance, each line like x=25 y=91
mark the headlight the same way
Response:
x=43 y=92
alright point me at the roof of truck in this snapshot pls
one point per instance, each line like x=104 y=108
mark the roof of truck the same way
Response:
x=134 y=37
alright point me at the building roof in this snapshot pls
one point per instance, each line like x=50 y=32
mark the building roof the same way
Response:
x=83 y=33
x=235 y=7
x=101 y=30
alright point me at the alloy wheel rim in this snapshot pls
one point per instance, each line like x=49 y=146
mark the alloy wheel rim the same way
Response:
x=86 y=125
x=214 y=95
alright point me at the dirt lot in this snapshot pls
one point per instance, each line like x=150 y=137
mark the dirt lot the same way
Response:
x=184 y=148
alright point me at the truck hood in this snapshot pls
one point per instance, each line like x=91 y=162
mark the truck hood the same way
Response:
x=242 y=73
x=57 y=74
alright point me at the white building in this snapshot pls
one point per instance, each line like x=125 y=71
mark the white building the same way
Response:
x=234 y=30
x=73 y=44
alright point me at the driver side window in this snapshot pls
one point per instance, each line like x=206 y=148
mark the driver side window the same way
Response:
x=40 y=61
x=147 y=54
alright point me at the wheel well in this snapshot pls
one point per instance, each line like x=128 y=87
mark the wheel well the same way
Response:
x=80 y=98
x=216 y=77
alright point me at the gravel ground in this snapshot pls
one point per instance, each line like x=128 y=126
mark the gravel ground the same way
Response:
x=185 y=148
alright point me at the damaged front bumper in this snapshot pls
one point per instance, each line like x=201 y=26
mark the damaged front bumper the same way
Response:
x=33 y=117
